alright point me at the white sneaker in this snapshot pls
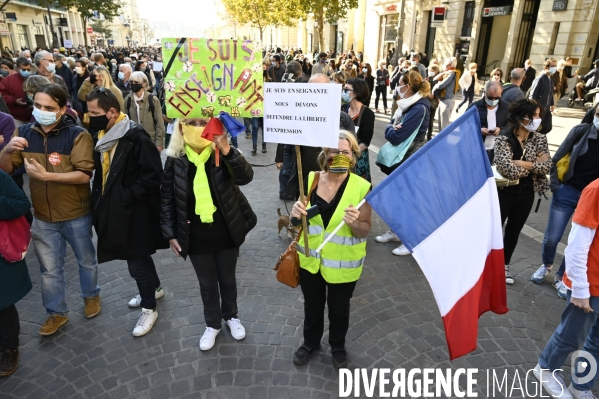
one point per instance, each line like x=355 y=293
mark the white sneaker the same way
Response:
x=576 y=394
x=237 y=330
x=552 y=382
x=207 y=340
x=136 y=301
x=388 y=236
x=146 y=322
x=509 y=278
x=401 y=250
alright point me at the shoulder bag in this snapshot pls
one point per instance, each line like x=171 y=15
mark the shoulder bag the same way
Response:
x=15 y=236
x=288 y=265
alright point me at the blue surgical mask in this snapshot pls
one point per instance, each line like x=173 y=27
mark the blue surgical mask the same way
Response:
x=552 y=70
x=491 y=103
x=121 y=75
x=3 y=72
x=345 y=98
x=44 y=118
x=596 y=122
x=364 y=70
x=25 y=74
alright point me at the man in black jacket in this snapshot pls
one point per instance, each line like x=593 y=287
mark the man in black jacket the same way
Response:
x=542 y=92
x=529 y=76
x=590 y=81
x=493 y=112
x=126 y=199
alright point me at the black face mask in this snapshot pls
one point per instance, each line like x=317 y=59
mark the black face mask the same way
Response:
x=97 y=123
x=92 y=78
x=77 y=56
x=135 y=87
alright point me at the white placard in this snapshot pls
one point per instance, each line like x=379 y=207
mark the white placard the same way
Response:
x=302 y=113
x=68 y=43
x=157 y=66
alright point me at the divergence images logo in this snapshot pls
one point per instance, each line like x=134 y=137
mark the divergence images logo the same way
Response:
x=582 y=362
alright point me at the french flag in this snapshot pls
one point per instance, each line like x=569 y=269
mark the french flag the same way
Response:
x=442 y=203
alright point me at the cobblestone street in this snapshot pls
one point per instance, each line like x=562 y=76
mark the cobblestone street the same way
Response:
x=395 y=323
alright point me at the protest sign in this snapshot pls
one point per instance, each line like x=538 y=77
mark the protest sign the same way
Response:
x=206 y=76
x=302 y=113
x=68 y=43
x=157 y=66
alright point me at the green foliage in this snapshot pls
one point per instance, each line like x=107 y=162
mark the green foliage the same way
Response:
x=100 y=26
x=263 y=13
x=331 y=10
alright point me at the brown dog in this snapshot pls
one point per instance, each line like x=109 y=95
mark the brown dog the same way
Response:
x=283 y=222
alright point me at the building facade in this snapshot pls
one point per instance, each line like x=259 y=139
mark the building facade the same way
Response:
x=24 y=24
x=492 y=33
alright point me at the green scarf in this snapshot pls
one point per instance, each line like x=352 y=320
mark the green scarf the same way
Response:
x=201 y=190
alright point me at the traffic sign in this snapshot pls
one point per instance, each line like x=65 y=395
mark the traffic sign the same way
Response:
x=90 y=30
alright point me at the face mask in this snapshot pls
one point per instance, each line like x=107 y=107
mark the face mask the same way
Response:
x=323 y=61
x=51 y=67
x=30 y=97
x=44 y=118
x=78 y=70
x=93 y=78
x=533 y=125
x=192 y=135
x=431 y=74
x=25 y=74
x=345 y=98
x=121 y=75
x=29 y=59
x=404 y=70
x=77 y=56
x=491 y=103
x=364 y=70
x=552 y=70
x=413 y=62
x=143 y=68
x=339 y=164
x=135 y=87
x=97 y=123
x=399 y=92
x=3 y=72
x=596 y=122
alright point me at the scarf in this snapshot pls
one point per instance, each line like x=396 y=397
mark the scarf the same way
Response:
x=107 y=140
x=201 y=190
x=404 y=104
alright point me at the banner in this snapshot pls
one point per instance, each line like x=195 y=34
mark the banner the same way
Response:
x=206 y=76
x=302 y=113
x=68 y=43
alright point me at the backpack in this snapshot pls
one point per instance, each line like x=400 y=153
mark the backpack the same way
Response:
x=150 y=101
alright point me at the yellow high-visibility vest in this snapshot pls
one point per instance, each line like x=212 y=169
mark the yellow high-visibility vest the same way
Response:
x=341 y=259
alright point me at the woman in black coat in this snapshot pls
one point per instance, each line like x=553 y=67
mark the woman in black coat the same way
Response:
x=14 y=278
x=205 y=215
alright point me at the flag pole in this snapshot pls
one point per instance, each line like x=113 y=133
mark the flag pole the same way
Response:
x=300 y=175
x=337 y=229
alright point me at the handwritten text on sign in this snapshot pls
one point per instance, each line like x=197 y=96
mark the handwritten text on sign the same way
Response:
x=302 y=113
x=208 y=76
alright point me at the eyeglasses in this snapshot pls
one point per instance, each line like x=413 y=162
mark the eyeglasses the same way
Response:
x=196 y=123
x=337 y=152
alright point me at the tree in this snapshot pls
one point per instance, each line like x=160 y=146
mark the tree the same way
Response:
x=332 y=11
x=100 y=26
x=263 y=13
x=88 y=9
x=147 y=33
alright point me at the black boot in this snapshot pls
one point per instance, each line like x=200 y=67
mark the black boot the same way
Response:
x=9 y=359
x=339 y=358
x=264 y=148
x=303 y=355
x=254 y=150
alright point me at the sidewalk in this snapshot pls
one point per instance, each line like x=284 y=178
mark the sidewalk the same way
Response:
x=394 y=323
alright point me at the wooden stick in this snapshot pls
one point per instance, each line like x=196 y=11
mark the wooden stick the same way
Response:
x=300 y=175
x=337 y=229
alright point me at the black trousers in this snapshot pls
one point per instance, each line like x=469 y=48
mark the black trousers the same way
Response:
x=9 y=328
x=380 y=90
x=218 y=285
x=144 y=273
x=314 y=288
x=467 y=95
x=515 y=203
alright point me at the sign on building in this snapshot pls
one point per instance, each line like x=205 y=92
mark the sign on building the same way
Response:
x=497 y=11
x=560 y=5
x=439 y=14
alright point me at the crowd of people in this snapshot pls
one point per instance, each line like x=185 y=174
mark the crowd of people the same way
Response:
x=74 y=117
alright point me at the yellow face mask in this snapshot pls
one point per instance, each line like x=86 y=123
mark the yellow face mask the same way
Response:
x=192 y=135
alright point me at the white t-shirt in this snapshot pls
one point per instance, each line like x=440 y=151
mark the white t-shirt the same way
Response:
x=491 y=125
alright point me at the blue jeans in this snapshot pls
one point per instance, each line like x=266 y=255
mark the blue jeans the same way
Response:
x=50 y=243
x=257 y=123
x=576 y=327
x=563 y=204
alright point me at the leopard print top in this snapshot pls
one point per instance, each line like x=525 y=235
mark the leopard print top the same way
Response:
x=534 y=146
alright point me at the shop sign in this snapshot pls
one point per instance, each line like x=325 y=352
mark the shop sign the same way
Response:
x=560 y=5
x=497 y=11
x=391 y=8
x=438 y=17
x=90 y=30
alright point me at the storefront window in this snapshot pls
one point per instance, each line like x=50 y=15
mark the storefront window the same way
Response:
x=22 y=32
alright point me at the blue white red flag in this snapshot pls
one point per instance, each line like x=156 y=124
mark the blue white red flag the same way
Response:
x=442 y=203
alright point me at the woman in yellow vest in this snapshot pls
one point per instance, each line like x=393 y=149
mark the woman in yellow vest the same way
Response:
x=338 y=266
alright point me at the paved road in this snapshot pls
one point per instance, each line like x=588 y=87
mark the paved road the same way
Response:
x=394 y=323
